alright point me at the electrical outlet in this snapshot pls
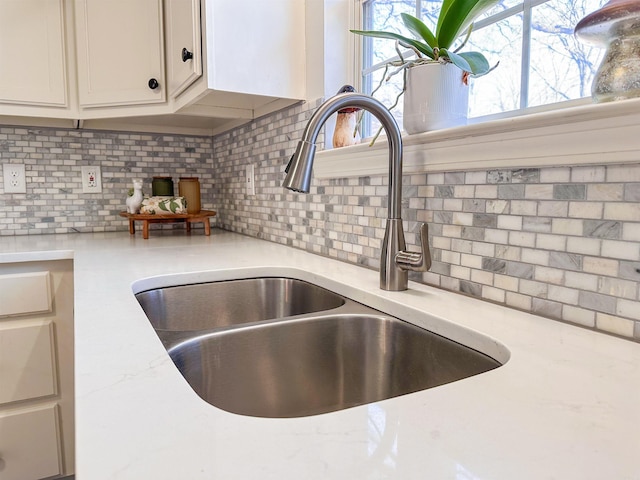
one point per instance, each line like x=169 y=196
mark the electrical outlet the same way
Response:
x=250 y=180
x=91 y=180
x=14 y=178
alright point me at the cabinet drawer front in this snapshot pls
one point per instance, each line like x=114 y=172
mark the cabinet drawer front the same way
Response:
x=25 y=293
x=26 y=360
x=29 y=446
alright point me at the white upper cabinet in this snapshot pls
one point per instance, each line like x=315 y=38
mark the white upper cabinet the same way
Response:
x=179 y=66
x=257 y=47
x=183 y=39
x=32 y=53
x=120 y=52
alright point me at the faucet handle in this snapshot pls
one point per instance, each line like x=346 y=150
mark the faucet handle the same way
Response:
x=416 y=261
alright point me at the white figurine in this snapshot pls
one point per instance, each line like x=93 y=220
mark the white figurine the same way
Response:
x=134 y=201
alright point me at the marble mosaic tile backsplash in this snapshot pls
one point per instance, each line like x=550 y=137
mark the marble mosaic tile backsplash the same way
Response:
x=54 y=202
x=562 y=242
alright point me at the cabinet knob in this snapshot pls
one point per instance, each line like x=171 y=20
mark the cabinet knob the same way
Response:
x=153 y=83
x=186 y=55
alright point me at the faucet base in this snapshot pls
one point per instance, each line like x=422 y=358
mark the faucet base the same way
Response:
x=392 y=277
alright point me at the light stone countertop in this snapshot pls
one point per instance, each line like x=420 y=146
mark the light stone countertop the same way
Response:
x=565 y=405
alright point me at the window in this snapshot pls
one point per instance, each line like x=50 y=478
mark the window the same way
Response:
x=540 y=60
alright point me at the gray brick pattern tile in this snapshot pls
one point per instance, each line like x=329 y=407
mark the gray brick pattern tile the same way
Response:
x=54 y=202
x=562 y=242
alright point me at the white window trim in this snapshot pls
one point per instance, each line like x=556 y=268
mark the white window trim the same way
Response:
x=601 y=134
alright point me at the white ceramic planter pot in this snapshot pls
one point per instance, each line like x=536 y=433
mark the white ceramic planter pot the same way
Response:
x=435 y=98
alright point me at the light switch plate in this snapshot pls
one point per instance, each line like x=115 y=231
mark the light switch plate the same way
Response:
x=250 y=180
x=14 y=178
x=91 y=179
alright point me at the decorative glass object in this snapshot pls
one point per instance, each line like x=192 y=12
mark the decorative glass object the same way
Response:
x=616 y=26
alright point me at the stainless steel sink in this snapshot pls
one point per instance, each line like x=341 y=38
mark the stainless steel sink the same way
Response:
x=219 y=304
x=281 y=347
x=320 y=364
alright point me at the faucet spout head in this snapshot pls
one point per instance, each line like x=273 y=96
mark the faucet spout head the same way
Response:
x=300 y=168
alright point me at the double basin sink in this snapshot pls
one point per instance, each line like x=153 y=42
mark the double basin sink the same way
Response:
x=281 y=347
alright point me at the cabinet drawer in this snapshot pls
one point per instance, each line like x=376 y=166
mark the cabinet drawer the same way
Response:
x=29 y=446
x=25 y=293
x=26 y=360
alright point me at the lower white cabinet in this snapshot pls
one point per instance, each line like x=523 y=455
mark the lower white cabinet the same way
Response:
x=36 y=370
x=27 y=358
x=30 y=444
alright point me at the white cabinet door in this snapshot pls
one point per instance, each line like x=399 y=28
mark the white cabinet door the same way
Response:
x=29 y=447
x=32 y=53
x=183 y=35
x=257 y=47
x=120 y=52
x=26 y=360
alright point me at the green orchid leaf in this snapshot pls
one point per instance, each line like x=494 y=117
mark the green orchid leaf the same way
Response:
x=477 y=61
x=419 y=29
x=457 y=59
x=446 y=5
x=408 y=42
x=456 y=16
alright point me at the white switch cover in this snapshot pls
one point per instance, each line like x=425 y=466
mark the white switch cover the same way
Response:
x=250 y=180
x=14 y=179
x=91 y=180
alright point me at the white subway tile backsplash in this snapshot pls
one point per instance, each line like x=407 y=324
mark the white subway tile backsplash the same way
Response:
x=517 y=300
x=605 y=191
x=566 y=226
x=563 y=295
x=613 y=324
x=523 y=239
x=582 y=281
x=587 y=246
x=555 y=175
x=484 y=278
x=631 y=232
x=622 y=211
x=621 y=250
x=628 y=308
x=578 y=315
x=623 y=173
x=586 y=209
x=588 y=174
x=509 y=222
x=551 y=242
x=549 y=275
x=618 y=288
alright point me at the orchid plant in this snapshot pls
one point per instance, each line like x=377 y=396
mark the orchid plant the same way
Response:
x=455 y=19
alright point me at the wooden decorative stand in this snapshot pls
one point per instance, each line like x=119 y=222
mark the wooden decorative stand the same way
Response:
x=189 y=218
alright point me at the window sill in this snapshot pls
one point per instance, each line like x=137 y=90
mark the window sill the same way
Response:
x=588 y=134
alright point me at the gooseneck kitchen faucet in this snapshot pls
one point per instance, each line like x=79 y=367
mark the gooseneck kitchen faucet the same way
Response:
x=395 y=261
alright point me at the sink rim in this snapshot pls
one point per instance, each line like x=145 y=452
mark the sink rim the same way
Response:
x=369 y=295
